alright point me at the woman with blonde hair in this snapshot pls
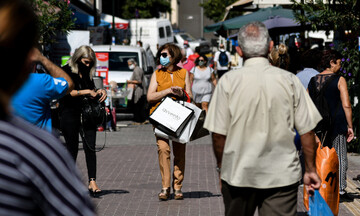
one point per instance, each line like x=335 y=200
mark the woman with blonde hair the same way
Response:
x=279 y=57
x=81 y=67
x=170 y=80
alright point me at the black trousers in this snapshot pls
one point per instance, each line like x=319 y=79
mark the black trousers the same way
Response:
x=280 y=201
x=70 y=125
x=140 y=110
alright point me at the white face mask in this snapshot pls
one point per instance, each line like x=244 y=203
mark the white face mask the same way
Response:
x=131 y=67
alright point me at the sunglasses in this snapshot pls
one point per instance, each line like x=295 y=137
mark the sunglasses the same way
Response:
x=164 y=55
x=201 y=60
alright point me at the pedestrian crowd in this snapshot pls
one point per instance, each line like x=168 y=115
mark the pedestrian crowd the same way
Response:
x=253 y=114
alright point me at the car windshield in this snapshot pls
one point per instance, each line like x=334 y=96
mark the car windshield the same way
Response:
x=187 y=37
x=118 y=60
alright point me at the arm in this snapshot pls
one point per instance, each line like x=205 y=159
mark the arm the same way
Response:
x=191 y=76
x=153 y=96
x=218 y=147
x=311 y=179
x=84 y=92
x=213 y=79
x=188 y=85
x=53 y=69
x=345 y=101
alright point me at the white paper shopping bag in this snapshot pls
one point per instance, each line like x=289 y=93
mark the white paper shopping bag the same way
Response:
x=171 y=117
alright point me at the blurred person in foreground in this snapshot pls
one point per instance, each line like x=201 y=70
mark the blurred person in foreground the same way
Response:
x=81 y=67
x=170 y=80
x=202 y=78
x=38 y=176
x=253 y=115
x=340 y=129
x=32 y=101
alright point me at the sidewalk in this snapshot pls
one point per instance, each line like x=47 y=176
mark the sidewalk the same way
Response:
x=128 y=173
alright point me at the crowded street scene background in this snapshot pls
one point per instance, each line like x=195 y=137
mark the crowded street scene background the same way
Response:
x=173 y=107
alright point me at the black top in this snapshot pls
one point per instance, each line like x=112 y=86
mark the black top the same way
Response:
x=74 y=103
x=332 y=96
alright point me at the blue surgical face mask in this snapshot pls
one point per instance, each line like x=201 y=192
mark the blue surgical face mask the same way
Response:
x=164 y=61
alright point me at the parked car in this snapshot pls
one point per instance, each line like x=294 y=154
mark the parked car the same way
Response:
x=205 y=46
x=114 y=58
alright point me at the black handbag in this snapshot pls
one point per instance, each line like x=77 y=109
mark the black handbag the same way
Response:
x=93 y=111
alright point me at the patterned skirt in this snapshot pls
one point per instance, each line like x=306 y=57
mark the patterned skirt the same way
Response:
x=339 y=143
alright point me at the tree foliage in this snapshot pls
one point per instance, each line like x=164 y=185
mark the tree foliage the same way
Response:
x=145 y=8
x=215 y=9
x=343 y=17
x=54 y=16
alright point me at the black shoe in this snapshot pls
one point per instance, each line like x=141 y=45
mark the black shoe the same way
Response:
x=346 y=197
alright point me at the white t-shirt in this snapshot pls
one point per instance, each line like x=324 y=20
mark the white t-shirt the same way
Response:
x=216 y=59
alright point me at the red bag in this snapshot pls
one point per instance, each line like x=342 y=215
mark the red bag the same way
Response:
x=327 y=167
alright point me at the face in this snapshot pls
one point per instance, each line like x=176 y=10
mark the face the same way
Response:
x=129 y=64
x=87 y=62
x=335 y=67
x=202 y=61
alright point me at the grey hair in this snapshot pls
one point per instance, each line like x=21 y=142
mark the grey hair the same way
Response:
x=254 y=40
x=132 y=61
x=82 y=52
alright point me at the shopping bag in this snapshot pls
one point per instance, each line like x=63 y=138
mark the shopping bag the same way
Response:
x=318 y=206
x=327 y=167
x=171 y=117
x=193 y=127
x=199 y=130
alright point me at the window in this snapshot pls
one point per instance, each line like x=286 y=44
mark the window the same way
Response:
x=187 y=37
x=168 y=31
x=118 y=60
x=175 y=41
x=161 y=32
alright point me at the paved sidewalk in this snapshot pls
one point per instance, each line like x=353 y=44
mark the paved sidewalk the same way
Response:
x=128 y=174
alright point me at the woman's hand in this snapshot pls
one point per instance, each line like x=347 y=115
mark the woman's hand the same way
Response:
x=92 y=93
x=350 y=135
x=103 y=94
x=176 y=90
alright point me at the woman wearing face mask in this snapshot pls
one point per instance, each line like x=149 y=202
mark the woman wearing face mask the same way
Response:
x=201 y=77
x=138 y=80
x=81 y=67
x=170 y=80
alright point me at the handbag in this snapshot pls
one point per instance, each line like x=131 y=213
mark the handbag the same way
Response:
x=171 y=117
x=93 y=111
x=193 y=130
x=327 y=167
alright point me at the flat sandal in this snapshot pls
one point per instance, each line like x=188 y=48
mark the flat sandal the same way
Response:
x=178 y=195
x=164 y=194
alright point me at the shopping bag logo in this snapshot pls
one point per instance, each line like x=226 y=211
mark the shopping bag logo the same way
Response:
x=332 y=176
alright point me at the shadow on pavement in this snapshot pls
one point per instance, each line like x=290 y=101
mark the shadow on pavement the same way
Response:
x=199 y=194
x=106 y=192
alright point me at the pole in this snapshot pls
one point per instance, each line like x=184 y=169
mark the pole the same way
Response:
x=113 y=23
x=202 y=19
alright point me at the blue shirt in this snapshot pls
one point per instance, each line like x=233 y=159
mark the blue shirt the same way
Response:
x=305 y=76
x=32 y=101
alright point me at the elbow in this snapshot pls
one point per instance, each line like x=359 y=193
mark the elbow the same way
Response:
x=71 y=86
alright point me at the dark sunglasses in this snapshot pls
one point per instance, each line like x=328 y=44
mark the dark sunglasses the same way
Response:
x=201 y=60
x=88 y=62
x=164 y=55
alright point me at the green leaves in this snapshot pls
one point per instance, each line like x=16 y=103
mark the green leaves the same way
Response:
x=146 y=8
x=54 y=16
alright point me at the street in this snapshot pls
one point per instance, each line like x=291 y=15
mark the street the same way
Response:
x=129 y=176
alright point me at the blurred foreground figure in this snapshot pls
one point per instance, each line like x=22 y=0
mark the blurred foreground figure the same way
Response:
x=38 y=176
x=253 y=115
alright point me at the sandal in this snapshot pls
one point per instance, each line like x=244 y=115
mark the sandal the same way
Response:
x=178 y=195
x=92 y=191
x=164 y=194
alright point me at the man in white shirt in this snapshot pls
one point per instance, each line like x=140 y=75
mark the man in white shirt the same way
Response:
x=222 y=61
x=253 y=115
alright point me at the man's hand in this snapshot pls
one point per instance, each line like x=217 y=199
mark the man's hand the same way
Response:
x=312 y=182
